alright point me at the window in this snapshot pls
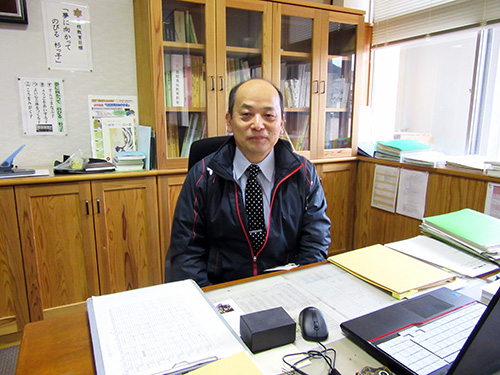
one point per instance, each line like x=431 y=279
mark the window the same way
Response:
x=441 y=86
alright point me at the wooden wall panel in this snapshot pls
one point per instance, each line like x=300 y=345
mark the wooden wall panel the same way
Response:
x=445 y=193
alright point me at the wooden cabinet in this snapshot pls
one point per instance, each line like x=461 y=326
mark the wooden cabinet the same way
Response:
x=87 y=238
x=316 y=56
x=339 y=180
x=191 y=53
x=169 y=188
x=14 y=312
x=127 y=233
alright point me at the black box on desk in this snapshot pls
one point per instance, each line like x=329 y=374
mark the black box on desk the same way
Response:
x=267 y=329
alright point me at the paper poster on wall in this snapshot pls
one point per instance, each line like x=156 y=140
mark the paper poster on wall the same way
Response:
x=412 y=191
x=67 y=35
x=385 y=187
x=492 y=205
x=113 y=125
x=42 y=106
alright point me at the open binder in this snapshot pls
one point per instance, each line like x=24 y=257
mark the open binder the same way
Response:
x=164 y=329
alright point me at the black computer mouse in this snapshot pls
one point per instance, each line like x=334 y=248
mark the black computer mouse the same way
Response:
x=312 y=324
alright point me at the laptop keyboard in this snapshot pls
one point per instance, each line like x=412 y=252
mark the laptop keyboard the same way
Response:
x=430 y=346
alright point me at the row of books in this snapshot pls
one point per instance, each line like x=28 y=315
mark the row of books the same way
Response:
x=178 y=26
x=238 y=71
x=184 y=80
x=297 y=91
x=183 y=129
x=298 y=133
x=338 y=90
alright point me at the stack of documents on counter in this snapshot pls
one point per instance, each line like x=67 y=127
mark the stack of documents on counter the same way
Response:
x=493 y=168
x=436 y=252
x=163 y=329
x=431 y=159
x=467 y=229
x=391 y=270
x=395 y=149
x=467 y=163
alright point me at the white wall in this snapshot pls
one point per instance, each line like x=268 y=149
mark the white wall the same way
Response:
x=22 y=54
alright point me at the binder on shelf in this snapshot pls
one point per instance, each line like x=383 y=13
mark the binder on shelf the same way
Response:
x=179 y=26
x=190 y=30
x=188 y=81
x=177 y=74
x=168 y=79
x=172 y=135
x=195 y=81
x=168 y=28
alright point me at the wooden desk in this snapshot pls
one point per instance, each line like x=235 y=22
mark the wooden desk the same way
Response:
x=57 y=346
x=63 y=345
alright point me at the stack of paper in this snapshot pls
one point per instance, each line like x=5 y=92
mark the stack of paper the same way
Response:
x=489 y=290
x=441 y=254
x=467 y=163
x=432 y=159
x=395 y=149
x=493 y=168
x=391 y=270
x=127 y=161
x=468 y=229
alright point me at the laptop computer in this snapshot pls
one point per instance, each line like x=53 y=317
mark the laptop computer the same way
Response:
x=402 y=336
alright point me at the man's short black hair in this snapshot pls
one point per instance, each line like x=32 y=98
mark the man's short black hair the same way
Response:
x=232 y=95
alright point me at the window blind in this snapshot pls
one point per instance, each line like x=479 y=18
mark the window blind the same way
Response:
x=407 y=19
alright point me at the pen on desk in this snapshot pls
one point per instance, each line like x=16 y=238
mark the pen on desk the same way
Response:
x=192 y=366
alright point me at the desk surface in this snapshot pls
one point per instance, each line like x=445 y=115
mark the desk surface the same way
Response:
x=63 y=345
x=57 y=346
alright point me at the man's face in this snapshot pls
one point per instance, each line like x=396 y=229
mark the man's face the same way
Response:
x=257 y=121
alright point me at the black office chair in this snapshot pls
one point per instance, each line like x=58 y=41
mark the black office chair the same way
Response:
x=203 y=147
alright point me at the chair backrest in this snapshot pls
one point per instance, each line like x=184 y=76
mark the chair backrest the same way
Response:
x=203 y=147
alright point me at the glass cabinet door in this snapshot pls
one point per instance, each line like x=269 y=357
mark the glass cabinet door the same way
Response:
x=341 y=61
x=297 y=70
x=243 y=51
x=184 y=62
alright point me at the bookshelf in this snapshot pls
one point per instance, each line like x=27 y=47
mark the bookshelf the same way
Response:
x=319 y=53
x=191 y=53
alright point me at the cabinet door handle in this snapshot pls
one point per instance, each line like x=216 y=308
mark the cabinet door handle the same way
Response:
x=323 y=84
x=87 y=206
x=213 y=83
x=316 y=85
x=98 y=206
x=221 y=83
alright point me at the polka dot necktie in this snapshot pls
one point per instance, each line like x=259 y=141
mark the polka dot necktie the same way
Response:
x=255 y=208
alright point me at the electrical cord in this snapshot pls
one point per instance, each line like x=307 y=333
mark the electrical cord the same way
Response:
x=313 y=354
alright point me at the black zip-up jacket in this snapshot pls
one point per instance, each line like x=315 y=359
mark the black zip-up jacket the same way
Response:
x=210 y=242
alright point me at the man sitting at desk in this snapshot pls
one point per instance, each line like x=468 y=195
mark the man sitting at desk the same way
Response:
x=213 y=238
